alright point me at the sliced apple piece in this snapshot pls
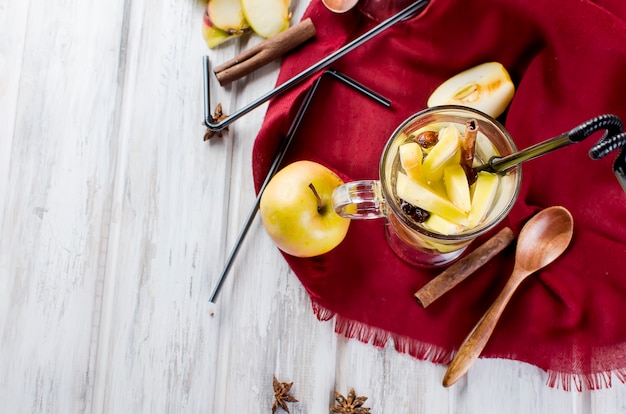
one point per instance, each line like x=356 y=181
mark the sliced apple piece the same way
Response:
x=267 y=17
x=457 y=186
x=227 y=15
x=486 y=87
x=411 y=156
x=440 y=225
x=485 y=191
x=421 y=196
x=506 y=188
x=213 y=35
x=444 y=150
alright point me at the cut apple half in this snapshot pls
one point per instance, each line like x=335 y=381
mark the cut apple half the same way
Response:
x=486 y=87
x=267 y=17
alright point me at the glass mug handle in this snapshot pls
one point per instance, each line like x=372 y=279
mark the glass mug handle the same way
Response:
x=359 y=200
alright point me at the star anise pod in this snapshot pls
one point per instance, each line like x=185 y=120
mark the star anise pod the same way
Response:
x=281 y=395
x=218 y=116
x=350 y=405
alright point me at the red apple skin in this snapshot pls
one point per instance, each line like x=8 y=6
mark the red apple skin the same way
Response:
x=289 y=210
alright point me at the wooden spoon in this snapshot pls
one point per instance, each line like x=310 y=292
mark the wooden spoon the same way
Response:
x=340 y=6
x=542 y=239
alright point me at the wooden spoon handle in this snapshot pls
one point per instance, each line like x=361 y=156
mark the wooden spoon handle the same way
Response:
x=475 y=342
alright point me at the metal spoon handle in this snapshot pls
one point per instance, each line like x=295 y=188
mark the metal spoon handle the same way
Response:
x=501 y=164
x=613 y=139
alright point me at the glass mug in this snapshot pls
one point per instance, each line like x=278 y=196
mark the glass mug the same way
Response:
x=410 y=240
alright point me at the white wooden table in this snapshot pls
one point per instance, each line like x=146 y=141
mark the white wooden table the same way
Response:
x=116 y=219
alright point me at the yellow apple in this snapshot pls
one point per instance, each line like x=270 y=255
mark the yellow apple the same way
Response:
x=297 y=212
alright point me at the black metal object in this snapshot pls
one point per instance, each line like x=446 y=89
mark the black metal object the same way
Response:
x=286 y=142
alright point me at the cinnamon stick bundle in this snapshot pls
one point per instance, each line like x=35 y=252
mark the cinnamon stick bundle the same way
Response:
x=460 y=270
x=265 y=52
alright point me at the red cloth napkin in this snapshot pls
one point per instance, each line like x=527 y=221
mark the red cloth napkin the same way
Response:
x=568 y=61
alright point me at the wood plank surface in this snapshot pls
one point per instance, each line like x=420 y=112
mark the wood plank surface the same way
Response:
x=116 y=219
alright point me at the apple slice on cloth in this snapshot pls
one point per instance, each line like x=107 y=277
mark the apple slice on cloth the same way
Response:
x=421 y=196
x=486 y=87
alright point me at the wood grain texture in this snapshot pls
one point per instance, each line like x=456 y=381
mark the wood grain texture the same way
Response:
x=116 y=219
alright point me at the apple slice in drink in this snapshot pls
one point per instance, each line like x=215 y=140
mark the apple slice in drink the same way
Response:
x=457 y=186
x=441 y=153
x=411 y=159
x=485 y=191
x=484 y=150
x=421 y=196
x=440 y=225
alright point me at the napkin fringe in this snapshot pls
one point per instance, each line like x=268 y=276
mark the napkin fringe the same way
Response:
x=579 y=382
x=352 y=329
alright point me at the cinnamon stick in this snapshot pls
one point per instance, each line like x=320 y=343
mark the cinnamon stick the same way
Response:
x=460 y=270
x=468 y=149
x=265 y=52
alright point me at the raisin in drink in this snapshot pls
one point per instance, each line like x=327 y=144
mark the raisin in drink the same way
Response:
x=434 y=201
